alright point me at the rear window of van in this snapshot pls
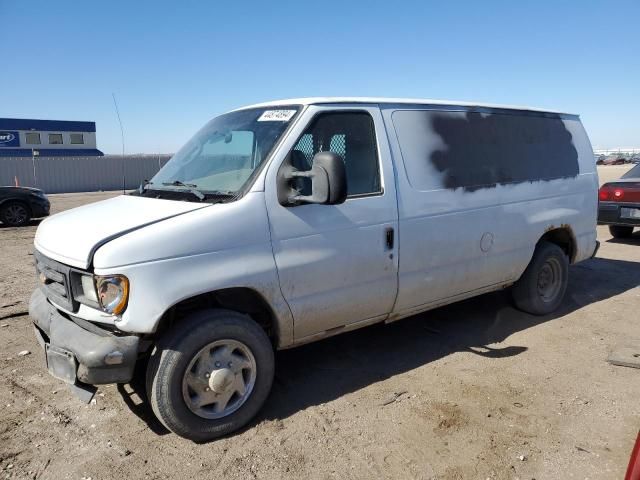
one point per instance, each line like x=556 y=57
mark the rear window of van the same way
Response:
x=471 y=150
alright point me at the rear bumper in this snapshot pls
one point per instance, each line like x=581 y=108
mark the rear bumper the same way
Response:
x=97 y=356
x=609 y=214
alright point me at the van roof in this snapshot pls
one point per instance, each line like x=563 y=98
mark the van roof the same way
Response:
x=388 y=100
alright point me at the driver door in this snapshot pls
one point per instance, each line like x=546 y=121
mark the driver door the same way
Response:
x=338 y=264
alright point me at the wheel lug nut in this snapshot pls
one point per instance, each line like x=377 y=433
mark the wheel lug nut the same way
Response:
x=217 y=364
x=206 y=375
x=206 y=389
x=230 y=364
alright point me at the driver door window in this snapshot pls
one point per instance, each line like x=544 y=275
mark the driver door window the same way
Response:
x=350 y=135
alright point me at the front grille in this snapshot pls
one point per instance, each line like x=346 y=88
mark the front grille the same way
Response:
x=54 y=279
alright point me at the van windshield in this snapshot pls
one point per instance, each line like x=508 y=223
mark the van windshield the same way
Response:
x=223 y=156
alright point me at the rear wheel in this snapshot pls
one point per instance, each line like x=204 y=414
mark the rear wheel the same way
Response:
x=15 y=214
x=542 y=286
x=210 y=375
x=620 y=231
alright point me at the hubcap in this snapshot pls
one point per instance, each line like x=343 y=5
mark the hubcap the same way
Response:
x=16 y=214
x=219 y=379
x=550 y=280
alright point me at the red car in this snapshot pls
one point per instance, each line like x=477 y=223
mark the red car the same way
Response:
x=633 y=470
x=619 y=205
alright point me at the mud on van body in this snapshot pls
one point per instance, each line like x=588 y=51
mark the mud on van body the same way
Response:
x=287 y=222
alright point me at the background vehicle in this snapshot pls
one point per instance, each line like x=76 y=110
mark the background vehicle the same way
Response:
x=633 y=470
x=619 y=204
x=287 y=222
x=18 y=205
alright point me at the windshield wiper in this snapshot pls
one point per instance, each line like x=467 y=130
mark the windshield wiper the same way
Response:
x=179 y=183
x=221 y=193
x=228 y=195
x=143 y=186
x=190 y=186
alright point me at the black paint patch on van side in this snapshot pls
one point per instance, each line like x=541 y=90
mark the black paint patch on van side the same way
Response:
x=484 y=150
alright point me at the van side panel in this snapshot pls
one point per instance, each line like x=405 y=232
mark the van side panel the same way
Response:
x=470 y=211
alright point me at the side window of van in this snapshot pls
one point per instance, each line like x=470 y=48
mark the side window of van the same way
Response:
x=350 y=135
x=472 y=150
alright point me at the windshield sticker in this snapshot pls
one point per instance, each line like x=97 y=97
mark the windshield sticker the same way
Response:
x=276 y=115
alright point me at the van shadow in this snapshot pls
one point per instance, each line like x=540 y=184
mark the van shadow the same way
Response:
x=326 y=370
x=634 y=239
x=134 y=396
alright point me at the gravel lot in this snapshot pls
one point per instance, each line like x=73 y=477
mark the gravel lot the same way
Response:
x=474 y=390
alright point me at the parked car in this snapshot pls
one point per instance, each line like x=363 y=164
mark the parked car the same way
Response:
x=633 y=469
x=613 y=161
x=18 y=205
x=619 y=204
x=287 y=222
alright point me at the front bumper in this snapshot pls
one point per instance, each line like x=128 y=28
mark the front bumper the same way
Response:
x=40 y=208
x=609 y=214
x=94 y=356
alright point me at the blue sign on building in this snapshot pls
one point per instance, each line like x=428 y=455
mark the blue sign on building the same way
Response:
x=9 y=139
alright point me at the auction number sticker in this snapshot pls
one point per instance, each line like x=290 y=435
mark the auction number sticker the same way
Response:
x=276 y=115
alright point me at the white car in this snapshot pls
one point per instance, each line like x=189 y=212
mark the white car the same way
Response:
x=286 y=222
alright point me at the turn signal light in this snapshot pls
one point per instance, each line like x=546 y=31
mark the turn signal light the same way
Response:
x=605 y=193
x=612 y=194
x=629 y=192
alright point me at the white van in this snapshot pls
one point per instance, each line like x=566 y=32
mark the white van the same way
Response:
x=287 y=222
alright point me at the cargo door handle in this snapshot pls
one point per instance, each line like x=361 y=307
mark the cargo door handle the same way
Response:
x=388 y=235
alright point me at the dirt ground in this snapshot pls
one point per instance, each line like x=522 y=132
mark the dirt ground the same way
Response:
x=475 y=390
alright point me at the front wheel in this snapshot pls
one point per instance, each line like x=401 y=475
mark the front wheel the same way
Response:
x=542 y=286
x=210 y=375
x=14 y=214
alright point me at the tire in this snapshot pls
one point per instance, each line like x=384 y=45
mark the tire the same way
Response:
x=542 y=286
x=620 y=231
x=15 y=214
x=175 y=394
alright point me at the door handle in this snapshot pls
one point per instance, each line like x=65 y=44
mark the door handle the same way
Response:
x=389 y=236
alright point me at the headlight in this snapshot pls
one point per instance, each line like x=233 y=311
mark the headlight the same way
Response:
x=109 y=293
x=113 y=293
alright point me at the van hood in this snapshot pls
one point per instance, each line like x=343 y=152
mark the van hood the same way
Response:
x=71 y=237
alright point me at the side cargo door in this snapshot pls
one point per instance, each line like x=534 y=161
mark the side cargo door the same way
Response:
x=338 y=264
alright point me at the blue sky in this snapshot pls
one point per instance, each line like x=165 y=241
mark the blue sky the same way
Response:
x=174 y=65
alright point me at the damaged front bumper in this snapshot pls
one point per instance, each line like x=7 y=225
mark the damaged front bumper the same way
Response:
x=80 y=353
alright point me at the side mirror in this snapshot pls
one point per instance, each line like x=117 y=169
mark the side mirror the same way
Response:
x=328 y=181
